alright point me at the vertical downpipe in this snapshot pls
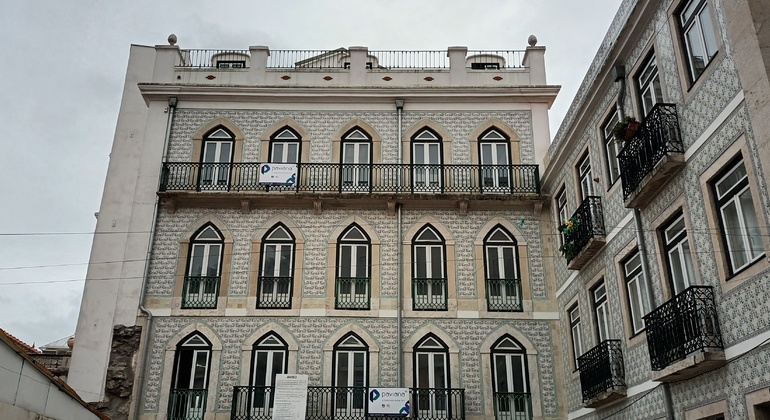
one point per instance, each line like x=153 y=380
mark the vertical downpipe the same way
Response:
x=142 y=357
x=620 y=77
x=400 y=259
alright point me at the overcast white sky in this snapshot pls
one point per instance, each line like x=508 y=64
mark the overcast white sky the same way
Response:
x=61 y=75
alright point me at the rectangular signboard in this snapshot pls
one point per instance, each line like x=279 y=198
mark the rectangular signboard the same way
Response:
x=290 y=397
x=388 y=402
x=278 y=173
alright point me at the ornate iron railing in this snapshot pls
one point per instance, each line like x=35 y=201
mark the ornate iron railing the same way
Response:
x=602 y=369
x=352 y=293
x=512 y=405
x=358 y=178
x=200 y=292
x=504 y=295
x=657 y=136
x=349 y=403
x=429 y=294
x=683 y=325
x=588 y=222
x=187 y=404
x=223 y=59
x=274 y=292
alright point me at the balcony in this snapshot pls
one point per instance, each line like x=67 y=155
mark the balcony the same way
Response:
x=602 y=374
x=228 y=184
x=429 y=294
x=653 y=155
x=683 y=335
x=187 y=404
x=512 y=405
x=352 y=293
x=200 y=292
x=347 y=403
x=584 y=233
x=504 y=295
x=274 y=292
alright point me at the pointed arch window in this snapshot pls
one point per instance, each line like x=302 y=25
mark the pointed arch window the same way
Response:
x=431 y=378
x=356 y=154
x=216 y=159
x=429 y=281
x=202 y=280
x=353 y=285
x=510 y=378
x=269 y=358
x=495 y=161
x=276 y=273
x=189 y=387
x=285 y=146
x=501 y=269
x=351 y=364
x=427 y=162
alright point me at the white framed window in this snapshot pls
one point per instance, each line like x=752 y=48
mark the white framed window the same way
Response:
x=612 y=147
x=601 y=309
x=678 y=256
x=427 y=173
x=494 y=157
x=351 y=360
x=202 y=280
x=187 y=399
x=269 y=358
x=697 y=29
x=353 y=265
x=740 y=227
x=501 y=271
x=285 y=146
x=648 y=83
x=510 y=379
x=586 y=177
x=356 y=155
x=636 y=292
x=576 y=333
x=429 y=281
x=216 y=159
x=431 y=377
x=276 y=276
x=561 y=211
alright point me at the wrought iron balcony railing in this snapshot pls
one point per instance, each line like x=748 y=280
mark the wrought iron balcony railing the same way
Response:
x=587 y=222
x=348 y=403
x=683 y=325
x=352 y=293
x=429 y=294
x=200 y=292
x=274 y=292
x=187 y=404
x=657 y=136
x=504 y=295
x=512 y=406
x=357 y=178
x=602 y=369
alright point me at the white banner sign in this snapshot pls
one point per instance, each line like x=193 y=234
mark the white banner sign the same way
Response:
x=389 y=401
x=290 y=397
x=278 y=173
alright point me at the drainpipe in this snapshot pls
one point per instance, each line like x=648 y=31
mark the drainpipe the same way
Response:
x=620 y=76
x=143 y=353
x=399 y=352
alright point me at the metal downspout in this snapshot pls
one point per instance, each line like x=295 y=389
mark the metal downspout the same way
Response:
x=145 y=343
x=620 y=77
x=400 y=259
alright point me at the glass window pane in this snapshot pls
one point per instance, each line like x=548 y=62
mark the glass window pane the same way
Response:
x=277 y=152
x=212 y=266
x=421 y=262
x=362 y=262
x=260 y=368
x=292 y=154
x=268 y=269
x=492 y=263
x=439 y=378
x=200 y=369
x=345 y=261
x=509 y=262
x=196 y=265
x=437 y=263
x=342 y=369
x=501 y=374
x=708 y=32
x=752 y=232
x=285 y=261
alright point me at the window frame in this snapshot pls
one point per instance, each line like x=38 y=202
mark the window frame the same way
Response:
x=216 y=174
x=635 y=275
x=271 y=350
x=427 y=170
x=562 y=212
x=499 y=170
x=585 y=174
x=183 y=350
x=521 y=355
x=505 y=288
x=267 y=241
x=351 y=404
x=204 y=282
x=440 y=243
x=601 y=308
x=612 y=147
x=651 y=82
x=275 y=140
x=678 y=241
x=341 y=244
x=683 y=28
x=356 y=181
x=418 y=350
x=576 y=333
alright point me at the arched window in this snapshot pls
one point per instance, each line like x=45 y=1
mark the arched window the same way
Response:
x=495 y=161
x=276 y=274
x=510 y=379
x=429 y=281
x=269 y=358
x=356 y=154
x=431 y=378
x=201 y=283
x=427 y=173
x=501 y=271
x=351 y=367
x=216 y=159
x=285 y=146
x=187 y=399
x=353 y=277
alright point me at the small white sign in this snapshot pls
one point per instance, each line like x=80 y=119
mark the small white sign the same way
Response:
x=290 y=397
x=278 y=173
x=389 y=401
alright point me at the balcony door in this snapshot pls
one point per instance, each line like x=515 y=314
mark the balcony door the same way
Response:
x=509 y=375
x=353 y=270
x=431 y=373
x=355 y=170
x=216 y=160
x=190 y=380
x=494 y=157
x=428 y=276
x=269 y=358
x=427 y=174
x=351 y=358
x=204 y=266
x=586 y=177
x=500 y=258
x=276 y=278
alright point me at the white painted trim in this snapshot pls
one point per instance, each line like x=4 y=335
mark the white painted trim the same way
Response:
x=745 y=346
x=712 y=128
x=566 y=284
x=545 y=315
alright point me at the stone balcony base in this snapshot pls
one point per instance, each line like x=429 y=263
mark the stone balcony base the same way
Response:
x=691 y=366
x=606 y=397
x=587 y=253
x=651 y=185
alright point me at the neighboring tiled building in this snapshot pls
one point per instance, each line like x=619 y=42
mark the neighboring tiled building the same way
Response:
x=406 y=251
x=663 y=284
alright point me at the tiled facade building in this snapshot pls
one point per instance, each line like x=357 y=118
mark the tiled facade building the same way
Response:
x=402 y=219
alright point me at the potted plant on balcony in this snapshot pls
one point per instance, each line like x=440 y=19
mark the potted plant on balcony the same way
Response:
x=569 y=249
x=625 y=128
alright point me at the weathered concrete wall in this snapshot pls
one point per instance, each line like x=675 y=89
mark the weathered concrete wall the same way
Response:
x=120 y=371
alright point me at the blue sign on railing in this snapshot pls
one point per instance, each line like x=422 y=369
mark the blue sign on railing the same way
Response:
x=392 y=402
